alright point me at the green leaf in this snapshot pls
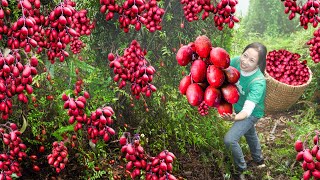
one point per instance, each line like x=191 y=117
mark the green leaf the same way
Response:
x=57 y=133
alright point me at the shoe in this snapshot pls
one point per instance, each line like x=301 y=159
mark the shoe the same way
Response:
x=238 y=175
x=253 y=164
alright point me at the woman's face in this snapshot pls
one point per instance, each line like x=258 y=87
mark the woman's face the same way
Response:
x=249 y=60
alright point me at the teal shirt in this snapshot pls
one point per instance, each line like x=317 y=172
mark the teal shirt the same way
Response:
x=251 y=88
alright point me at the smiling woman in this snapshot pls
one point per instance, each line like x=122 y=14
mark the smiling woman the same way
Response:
x=250 y=106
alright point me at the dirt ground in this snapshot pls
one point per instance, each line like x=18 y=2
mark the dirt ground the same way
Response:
x=270 y=128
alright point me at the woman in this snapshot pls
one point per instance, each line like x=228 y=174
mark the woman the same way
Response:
x=250 y=106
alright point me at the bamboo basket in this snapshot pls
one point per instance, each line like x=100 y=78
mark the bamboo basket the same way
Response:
x=281 y=96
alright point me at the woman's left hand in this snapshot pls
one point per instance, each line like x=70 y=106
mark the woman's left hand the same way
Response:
x=228 y=117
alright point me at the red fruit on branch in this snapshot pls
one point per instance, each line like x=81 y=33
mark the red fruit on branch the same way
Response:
x=198 y=71
x=184 y=84
x=230 y=93
x=220 y=58
x=194 y=94
x=215 y=76
x=184 y=55
x=212 y=96
x=203 y=46
x=224 y=108
x=232 y=74
x=298 y=145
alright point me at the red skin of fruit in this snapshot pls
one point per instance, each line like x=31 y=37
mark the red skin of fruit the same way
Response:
x=184 y=83
x=41 y=149
x=203 y=46
x=184 y=55
x=194 y=94
x=198 y=71
x=307 y=157
x=316 y=173
x=307 y=175
x=215 y=76
x=298 y=145
x=224 y=107
x=230 y=93
x=232 y=74
x=220 y=57
x=212 y=96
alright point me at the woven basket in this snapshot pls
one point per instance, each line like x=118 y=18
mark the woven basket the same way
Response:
x=281 y=96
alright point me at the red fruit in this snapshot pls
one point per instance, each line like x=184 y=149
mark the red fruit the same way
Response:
x=184 y=83
x=307 y=157
x=232 y=74
x=184 y=55
x=220 y=57
x=299 y=156
x=316 y=173
x=36 y=168
x=194 y=94
x=317 y=155
x=314 y=150
x=110 y=56
x=86 y=95
x=41 y=149
x=230 y=93
x=311 y=166
x=212 y=96
x=198 y=71
x=317 y=164
x=298 y=145
x=33 y=61
x=169 y=159
x=315 y=139
x=26 y=72
x=307 y=175
x=215 y=76
x=224 y=107
x=203 y=46
x=163 y=166
x=130 y=149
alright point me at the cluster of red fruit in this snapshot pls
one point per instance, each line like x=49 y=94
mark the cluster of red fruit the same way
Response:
x=211 y=82
x=15 y=79
x=161 y=166
x=286 y=67
x=308 y=12
x=310 y=157
x=59 y=156
x=97 y=124
x=158 y=167
x=314 y=44
x=76 y=107
x=135 y=13
x=132 y=67
x=4 y=11
x=76 y=45
x=134 y=154
x=12 y=151
x=223 y=11
x=51 y=33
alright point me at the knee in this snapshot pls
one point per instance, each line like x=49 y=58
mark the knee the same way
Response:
x=228 y=141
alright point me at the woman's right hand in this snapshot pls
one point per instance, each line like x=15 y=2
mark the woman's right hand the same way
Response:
x=228 y=117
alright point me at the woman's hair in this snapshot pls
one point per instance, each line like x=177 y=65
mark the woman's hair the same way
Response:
x=262 y=51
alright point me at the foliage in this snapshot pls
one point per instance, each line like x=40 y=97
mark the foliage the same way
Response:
x=268 y=17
